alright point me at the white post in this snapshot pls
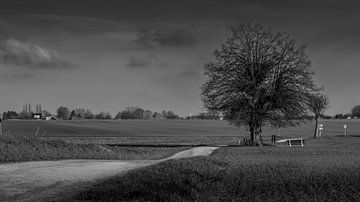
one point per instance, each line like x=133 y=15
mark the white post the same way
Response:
x=345 y=126
x=320 y=129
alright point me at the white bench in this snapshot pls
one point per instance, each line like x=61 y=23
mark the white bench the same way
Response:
x=292 y=141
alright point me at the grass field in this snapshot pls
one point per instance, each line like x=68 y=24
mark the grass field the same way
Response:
x=325 y=170
x=15 y=148
x=164 y=132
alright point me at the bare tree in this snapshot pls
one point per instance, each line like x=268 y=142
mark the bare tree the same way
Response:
x=259 y=77
x=317 y=105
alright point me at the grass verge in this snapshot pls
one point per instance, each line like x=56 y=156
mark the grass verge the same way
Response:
x=15 y=148
x=325 y=173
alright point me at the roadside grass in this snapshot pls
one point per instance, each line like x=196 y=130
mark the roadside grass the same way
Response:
x=326 y=170
x=15 y=148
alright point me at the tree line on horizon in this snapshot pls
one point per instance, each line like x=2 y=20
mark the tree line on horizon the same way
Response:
x=64 y=113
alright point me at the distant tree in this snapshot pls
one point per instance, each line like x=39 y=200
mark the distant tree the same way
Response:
x=147 y=114
x=355 y=111
x=213 y=114
x=88 y=115
x=100 y=115
x=80 y=113
x=259 y=77
x=108 y=116
x=158 y=115
x=5 y=116
x=12 y=115
x=126 y=114
x=118 y=115
x=138 y=113
x=317 y=104
x=45 y=113
x=324 y=116
x=72 y=115
x=171 y=115
x=63 y=113
x=132 y=113
x=103 y=115
x=164 y=113
x=339 y=116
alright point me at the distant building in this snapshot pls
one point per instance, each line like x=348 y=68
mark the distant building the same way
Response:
x=51 y=117
x=37 y=116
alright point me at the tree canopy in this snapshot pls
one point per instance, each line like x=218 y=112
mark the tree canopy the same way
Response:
x=63 y=113
x=259 y=76
x=356 y=111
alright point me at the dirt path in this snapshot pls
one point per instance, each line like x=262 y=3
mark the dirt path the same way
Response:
x=43 y=180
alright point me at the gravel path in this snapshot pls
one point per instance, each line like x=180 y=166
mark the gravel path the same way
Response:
x=44 y=180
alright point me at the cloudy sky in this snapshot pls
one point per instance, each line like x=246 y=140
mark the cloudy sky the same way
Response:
x=107 y=55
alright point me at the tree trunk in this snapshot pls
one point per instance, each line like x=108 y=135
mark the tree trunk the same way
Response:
x=316 y=127
x=260 y=136
x=252 y=135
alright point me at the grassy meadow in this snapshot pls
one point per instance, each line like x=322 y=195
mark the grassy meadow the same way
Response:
x=164 y=132
x=325 y=170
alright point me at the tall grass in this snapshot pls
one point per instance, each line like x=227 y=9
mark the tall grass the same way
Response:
x=15 y=148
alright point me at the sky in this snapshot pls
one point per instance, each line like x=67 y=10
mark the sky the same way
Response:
x=108 y=55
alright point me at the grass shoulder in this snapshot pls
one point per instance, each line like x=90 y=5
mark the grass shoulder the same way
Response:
x=15 y=148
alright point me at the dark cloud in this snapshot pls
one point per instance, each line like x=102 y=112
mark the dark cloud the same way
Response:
x=19 y=53
x=146 y=61
x=177 y=37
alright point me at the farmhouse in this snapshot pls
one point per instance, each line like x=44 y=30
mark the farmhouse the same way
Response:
x=37 y=116
x=51 y=117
